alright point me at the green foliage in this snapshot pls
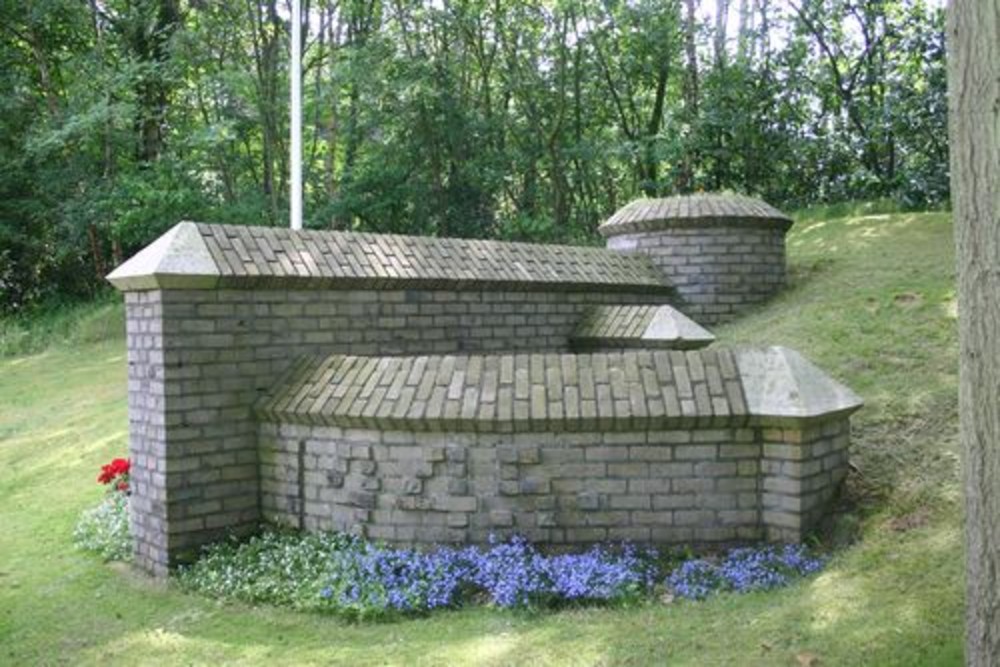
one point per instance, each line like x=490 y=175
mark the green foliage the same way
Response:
x=283 y=568
x=104 y=529
x=62 y=324
x=517 y=120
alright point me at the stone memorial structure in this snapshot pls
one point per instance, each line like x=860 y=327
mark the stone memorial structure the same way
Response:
x=420 y=390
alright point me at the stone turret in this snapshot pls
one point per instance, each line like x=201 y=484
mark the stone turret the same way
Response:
x=723 y=253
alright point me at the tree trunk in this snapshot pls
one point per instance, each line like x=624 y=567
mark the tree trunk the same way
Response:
x=331 y=127
x=153 y=90
x=721 y=31
x=650 y=173
x=44 y=74
x=745 y=37
x=974 y=118
x=691 y=84
x=763 y=42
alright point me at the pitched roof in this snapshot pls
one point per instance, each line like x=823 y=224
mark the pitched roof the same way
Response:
x=196 y=255
x=639 y=326
x=512 y=392
x=782 y=385
x=700 y=210
x=632 y=389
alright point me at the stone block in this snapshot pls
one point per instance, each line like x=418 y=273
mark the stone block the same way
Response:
x=456 y=503
x=589 y=501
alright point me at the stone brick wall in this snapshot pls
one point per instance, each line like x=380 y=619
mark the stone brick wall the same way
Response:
x=198 y=359
x=719 y=271
x=147 y=428
x=802 y=469
x=710 y=485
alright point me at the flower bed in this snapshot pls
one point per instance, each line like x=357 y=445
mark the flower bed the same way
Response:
x=508 y=574
x=332 y=572
x=348 y=576
x=742 y=570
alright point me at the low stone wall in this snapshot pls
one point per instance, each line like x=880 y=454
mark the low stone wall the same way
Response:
x=656 y=446
x=668 y=487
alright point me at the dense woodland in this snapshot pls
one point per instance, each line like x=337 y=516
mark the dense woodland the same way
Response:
x=478 y=118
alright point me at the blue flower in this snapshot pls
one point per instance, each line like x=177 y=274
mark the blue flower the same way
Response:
x=511 y=574
x=742 y=570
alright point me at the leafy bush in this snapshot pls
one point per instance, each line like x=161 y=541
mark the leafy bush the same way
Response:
x=276 y=567
x=104 y=529
x=743 y=570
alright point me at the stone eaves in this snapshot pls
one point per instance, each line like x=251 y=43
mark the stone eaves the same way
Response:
x=782 y=385
x=512 y=392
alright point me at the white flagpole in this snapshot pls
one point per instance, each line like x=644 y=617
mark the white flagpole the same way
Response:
x=295 y=157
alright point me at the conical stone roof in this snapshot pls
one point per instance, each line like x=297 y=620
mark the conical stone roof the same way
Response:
x=699 y=210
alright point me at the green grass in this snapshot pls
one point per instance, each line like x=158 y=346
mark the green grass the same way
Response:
x=64 y=324
x=871 y=301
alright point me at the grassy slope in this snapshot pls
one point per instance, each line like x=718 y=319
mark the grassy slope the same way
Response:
x=871 y=302
x=63 y=325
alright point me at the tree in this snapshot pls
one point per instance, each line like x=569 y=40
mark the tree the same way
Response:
x=527 y=120
x=974 y=105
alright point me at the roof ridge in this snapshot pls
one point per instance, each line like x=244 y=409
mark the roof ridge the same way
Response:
x=251 y=256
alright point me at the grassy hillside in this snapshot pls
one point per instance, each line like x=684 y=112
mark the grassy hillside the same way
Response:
x=63 y=325
x=871 y=301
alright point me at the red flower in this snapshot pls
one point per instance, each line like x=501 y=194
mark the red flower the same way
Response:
x=117 y=471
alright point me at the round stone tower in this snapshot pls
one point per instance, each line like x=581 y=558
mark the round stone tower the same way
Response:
x=723 y=253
